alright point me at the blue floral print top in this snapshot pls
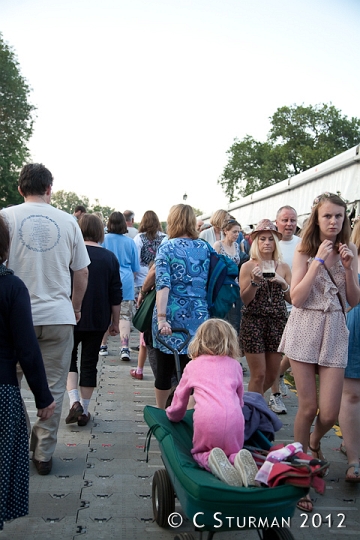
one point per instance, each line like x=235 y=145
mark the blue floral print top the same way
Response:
x=182 y=265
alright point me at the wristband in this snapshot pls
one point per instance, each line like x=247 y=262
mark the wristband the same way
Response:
x=320 y=260
x=77 y=311
x=161 y=315
x=254 y=284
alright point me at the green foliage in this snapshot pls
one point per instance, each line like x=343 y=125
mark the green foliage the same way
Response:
x=67 y=200
x=300 y=138
x=16 y=124
x=197 y=211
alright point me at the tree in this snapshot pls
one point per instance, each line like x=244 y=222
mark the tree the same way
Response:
x=67 y=200
x=16 y=124
x=300 y=138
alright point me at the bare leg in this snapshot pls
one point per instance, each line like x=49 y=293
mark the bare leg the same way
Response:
x=86 y=392
x=284 y=365
x=142 y=356
x=272 y=369
x=330 y=390
x=105 y=338
x=349 y=418
x=72 y=381
x=304 y=375
x=257 y=366
x=124 y=328
x=161 y=397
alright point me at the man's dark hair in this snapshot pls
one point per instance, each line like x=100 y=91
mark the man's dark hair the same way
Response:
x=4 y=239
x=34 y=179
x=80 y=208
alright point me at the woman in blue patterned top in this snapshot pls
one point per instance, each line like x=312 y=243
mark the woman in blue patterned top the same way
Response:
x=182 y=267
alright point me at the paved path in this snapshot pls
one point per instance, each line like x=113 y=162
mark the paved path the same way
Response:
x=100 y=486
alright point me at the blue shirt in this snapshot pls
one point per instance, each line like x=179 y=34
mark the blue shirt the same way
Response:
x=125 y=250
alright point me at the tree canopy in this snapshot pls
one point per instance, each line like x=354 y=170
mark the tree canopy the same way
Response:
x=16 y=124
x=300 y=138
x=67 y=200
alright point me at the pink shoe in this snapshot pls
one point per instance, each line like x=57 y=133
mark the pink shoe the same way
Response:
x=135 y=375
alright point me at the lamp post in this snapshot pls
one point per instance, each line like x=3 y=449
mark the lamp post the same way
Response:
x=185 y=197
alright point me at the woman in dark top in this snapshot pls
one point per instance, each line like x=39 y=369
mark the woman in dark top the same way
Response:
x=99 y=313
x=18 y=343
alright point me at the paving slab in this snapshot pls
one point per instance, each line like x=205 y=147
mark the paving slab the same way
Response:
x=100 y=486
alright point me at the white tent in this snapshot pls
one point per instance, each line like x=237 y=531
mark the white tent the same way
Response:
x=338 y=174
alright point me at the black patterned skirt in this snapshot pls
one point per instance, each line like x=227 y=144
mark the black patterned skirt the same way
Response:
x=14 y=455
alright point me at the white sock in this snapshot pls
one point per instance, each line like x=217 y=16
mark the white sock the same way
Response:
x=85 y=405
x=73 y=396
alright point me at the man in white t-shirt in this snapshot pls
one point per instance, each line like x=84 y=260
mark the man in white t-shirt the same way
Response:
x=45 y=243
x=286 y=222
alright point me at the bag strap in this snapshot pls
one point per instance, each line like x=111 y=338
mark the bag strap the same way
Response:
x=338 y=294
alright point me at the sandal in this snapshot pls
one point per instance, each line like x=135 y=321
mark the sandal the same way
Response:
x=319 y=455
x=356 y=474
x=305 y=504
x=343 y=449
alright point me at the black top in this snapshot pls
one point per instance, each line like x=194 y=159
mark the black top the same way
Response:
x=18 y=341
x=103 y=291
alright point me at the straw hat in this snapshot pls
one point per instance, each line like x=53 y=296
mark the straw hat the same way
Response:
x=266 y=225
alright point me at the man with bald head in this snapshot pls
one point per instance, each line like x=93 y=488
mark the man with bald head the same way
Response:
x=286 y=222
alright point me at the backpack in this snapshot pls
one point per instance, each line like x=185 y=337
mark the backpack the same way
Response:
x=222 y=287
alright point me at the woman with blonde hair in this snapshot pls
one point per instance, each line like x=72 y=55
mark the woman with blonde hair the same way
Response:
x=215 y=233
x=349 y=416
x=182 y=267
x=264 y=315
x=316 y=338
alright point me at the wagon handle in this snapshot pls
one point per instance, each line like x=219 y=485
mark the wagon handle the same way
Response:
x=159 y=337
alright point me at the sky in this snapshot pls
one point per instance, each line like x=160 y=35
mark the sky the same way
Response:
x=138 y=101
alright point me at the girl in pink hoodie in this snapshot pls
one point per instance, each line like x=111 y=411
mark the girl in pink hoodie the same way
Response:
x=217 y=381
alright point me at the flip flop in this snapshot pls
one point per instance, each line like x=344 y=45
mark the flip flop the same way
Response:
x=305 y=504
x=353 y=479
x=244 y=463
x=319 y=455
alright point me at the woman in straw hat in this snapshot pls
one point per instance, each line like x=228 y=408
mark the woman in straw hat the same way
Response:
x=264 y=316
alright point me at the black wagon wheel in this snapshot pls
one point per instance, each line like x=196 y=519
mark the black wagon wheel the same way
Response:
x=278 y=533
x=184 y=536
x=163 y=497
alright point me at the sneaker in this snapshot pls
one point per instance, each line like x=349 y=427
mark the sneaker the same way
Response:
x=221 y=467
x=125 y=354
x=135 y=349
x=245 y=464
x=283 y=387
x=103 y=350
x=74 y=413
x=276 y=404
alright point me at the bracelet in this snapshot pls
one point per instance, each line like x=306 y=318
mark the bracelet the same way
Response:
x=284 y=291
x=77 y=311
x=255 y=284
x=143 y=293
x=161 y=315
x=320 y=260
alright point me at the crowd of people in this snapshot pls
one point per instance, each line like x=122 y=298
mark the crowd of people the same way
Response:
x=73 y=279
